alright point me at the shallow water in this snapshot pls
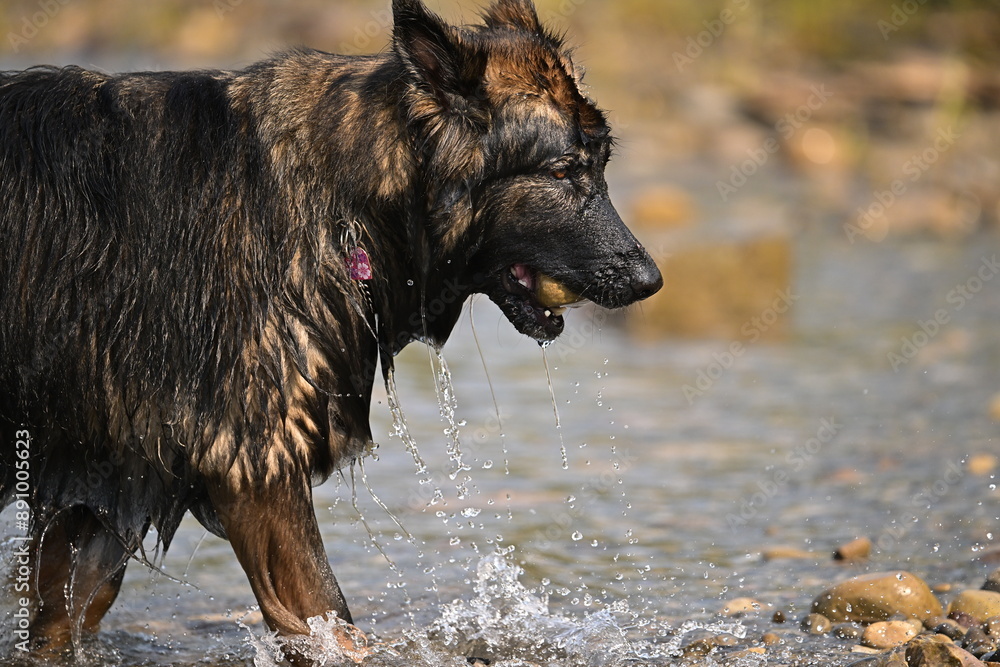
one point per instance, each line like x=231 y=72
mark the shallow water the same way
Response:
x=665 y=504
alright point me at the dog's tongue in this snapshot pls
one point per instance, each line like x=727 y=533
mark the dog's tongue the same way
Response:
x=553 y=294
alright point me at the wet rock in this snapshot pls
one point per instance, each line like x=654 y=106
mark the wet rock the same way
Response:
x=771 y=639
x=963 y=619
x=888 y=634
x=706 y=645
x=928 y=653
x=786 y=553
x=751 y=652
x=894 y=659
x=991 y=657
x=978 y=643
x=993 y=582
x=875 y=597
x=698 y=648
x=744 y=607
x=816 y=624
x=980 y=465
x=848 y=631
x=948 y=627
x=980 y=605
x=858 y=549
x=779 y=617
x=991 y=626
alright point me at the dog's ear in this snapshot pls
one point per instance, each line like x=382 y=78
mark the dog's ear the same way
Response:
x=435 y=53
x=515 y=14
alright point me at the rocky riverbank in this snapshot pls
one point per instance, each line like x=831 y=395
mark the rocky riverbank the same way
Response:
x=886 y=619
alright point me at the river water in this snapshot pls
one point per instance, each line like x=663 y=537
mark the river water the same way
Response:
x=615 y=537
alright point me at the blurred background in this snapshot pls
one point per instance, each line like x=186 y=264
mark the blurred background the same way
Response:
x=820 y=182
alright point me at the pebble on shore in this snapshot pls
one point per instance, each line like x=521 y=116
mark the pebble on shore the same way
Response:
x=980 y=605
x=993 y=582
x=744 y=607
x=876 y=597
x=888 y=634
x=925 y=651
x=981 y=465
x=858 y=549
x=786 y=553
x=816 y=624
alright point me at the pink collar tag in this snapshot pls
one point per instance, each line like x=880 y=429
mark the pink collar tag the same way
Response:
x=359 y=266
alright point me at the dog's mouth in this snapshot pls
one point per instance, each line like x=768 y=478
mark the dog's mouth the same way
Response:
x=534 y=302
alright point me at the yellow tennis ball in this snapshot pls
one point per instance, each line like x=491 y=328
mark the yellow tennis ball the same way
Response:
x=553 y=294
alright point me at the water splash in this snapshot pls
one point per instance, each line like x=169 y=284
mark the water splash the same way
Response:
x=503 y=622
x=331 y=642
x=508 y=623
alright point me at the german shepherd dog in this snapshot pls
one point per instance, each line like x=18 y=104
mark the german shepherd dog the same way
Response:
x=201 y=270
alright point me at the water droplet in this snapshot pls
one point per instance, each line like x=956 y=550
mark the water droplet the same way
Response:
x=577 y=536
x=410 y=283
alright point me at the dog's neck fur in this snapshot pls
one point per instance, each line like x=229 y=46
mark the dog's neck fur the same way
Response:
x=398 y=141
x=351 y=127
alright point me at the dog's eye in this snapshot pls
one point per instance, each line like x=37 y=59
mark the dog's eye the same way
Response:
x=560 y=173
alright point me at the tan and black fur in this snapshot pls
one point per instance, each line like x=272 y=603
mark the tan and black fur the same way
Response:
x=179 y=327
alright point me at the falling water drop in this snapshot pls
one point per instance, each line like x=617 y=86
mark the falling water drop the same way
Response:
x=448 y=405
x=555 y=411
x=399 y=422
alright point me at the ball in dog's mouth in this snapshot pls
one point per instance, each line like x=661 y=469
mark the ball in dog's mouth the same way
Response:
x=553 y=294
x=535 y=302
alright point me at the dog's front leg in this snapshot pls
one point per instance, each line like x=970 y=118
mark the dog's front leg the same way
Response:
x=274 y=533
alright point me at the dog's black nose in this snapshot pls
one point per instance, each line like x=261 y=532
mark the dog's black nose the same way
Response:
x=646 y=279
